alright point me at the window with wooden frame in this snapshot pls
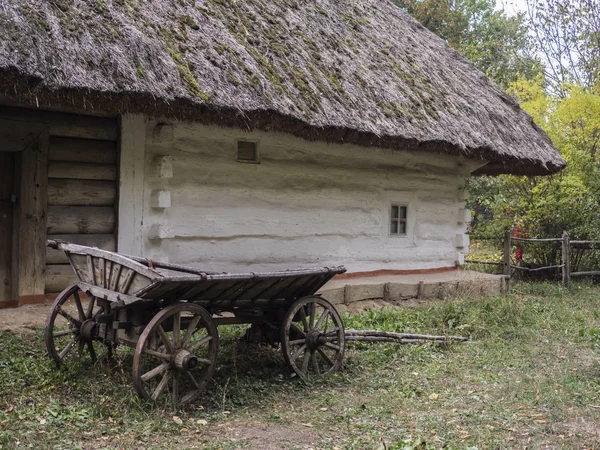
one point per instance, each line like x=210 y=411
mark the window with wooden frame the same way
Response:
x=398 y=219
x=247 y=152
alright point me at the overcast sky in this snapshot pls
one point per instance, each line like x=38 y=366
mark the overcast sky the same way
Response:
x=513 y=5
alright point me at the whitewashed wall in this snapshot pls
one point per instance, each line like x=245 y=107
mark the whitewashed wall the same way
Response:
x=305 y=204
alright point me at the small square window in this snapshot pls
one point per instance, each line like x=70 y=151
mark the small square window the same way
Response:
x=398 y=217
x=247 y=151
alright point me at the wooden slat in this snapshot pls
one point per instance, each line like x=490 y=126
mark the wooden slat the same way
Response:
x=65 y=125
x=81 y=220
x=82 y=171
x=103 y=241
x=32 y=218
x=82 y=150
x=59 y=277
x=81 y=192
x=7 y=165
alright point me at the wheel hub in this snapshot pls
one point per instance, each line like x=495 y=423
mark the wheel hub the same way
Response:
x=313 y=339
x=87 y=329
x=185 y=360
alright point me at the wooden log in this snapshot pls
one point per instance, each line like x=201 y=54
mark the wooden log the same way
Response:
x=103 y=241
x=82 y=150
x=63 y=192
x=82 y=171
x=592 y=273
x=507 y=264
x=64 y=124
x=32 y=220
x=81 y=220
x=59 y=277
x=537 y=240
x=566 y=260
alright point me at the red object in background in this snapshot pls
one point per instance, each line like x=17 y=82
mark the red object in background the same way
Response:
x=519 y=233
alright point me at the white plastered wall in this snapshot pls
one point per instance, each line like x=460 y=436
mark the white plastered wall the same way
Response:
x=305 y=204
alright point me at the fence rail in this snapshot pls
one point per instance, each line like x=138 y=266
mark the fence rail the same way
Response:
x=565 y=257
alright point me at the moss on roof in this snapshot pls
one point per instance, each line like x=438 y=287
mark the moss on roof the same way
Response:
x=358 y=71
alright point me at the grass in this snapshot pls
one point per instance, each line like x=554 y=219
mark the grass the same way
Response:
x=530 y=378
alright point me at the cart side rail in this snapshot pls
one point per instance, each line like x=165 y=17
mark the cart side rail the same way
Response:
x=107 y=270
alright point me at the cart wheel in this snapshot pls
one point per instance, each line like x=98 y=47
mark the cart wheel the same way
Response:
x=71 y=332
x=176 y=355
x=312 y=337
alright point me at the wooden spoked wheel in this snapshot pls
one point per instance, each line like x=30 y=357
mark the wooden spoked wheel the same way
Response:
x=176 y=355
x=312 y=337
x=71 y=332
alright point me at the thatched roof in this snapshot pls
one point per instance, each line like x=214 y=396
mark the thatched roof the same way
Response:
x=357 y=71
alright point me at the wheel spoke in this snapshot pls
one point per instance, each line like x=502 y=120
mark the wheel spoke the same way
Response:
x=315 y=363
x=313 y=308
x=62 y=333
x=67 y=316
x=165 y=339
x=296 y=355
x=80 y=348
x=79 y=306
x=331 y=333
x=190 y=330
x=175 y=393
x=161 y=386
x=333 y=346
x=92 y=351
x=176 y=329
x=192 y=379
x=154 y=372
x=159 y=355
x=303 y=318
x=199 y=343
x=298 y=342
x=321 y=319
x=91 y=305
x=68 y=347
x=297 y=329
x=305 y=361
x=325 y=356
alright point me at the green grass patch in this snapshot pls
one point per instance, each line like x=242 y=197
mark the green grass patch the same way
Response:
x=529 y=377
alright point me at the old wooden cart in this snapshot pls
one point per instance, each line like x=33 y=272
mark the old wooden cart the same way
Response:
x=171 y=320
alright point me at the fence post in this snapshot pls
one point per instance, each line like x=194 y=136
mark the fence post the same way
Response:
x=566 y=259
x=507 y=239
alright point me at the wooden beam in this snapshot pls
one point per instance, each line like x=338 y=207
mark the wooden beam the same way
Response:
x=65 y=125
x=82 y=150
x=81 y=220
x=16 y=136
x=82 y=171
x=81 y=192
x=103 y=241
x=32 y=220
x=59 y=277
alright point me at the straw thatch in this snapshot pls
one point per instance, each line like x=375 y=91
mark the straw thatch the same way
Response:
x=356 y=71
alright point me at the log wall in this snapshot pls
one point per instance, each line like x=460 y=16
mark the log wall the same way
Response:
x=304 y=204
x=82 y=191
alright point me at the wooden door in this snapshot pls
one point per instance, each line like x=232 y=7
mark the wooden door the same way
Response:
x=7 y=205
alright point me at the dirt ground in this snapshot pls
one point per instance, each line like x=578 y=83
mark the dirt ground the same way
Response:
x=24 y=319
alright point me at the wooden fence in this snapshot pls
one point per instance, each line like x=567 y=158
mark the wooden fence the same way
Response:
x=565 y=257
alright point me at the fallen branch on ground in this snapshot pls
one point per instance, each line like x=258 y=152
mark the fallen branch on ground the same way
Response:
x=400 y=338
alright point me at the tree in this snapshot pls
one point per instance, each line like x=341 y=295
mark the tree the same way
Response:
x=496 y=43
x=567 y=35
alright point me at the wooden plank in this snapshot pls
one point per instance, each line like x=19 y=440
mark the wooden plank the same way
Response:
x=81 y=220
x=16 y=136
x=65 y=125
x=103 y=241
x=592 y=273
x=63 y=192
x=32 y=219
x=59 y=277
x=566 y=260
x=82 y=150
x=82 y=171
x=7 y=165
